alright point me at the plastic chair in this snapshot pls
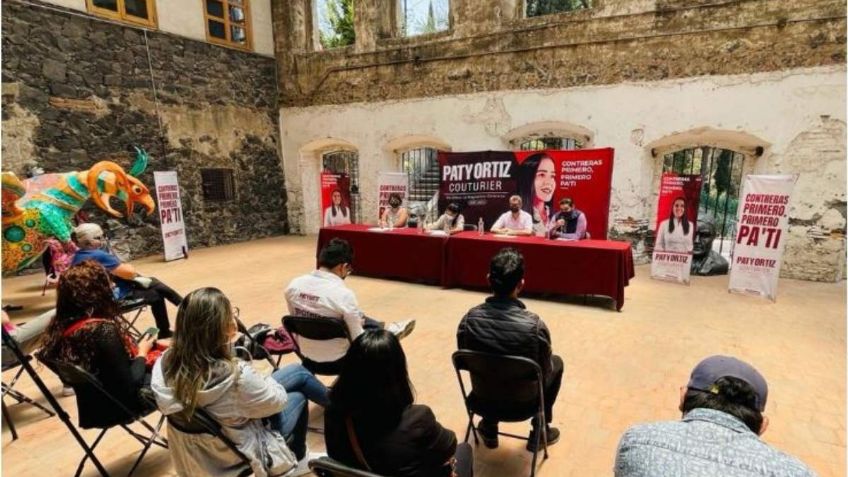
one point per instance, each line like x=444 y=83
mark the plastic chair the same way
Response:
x=503 y=388
x=79 y=378
x=318 y=329
x=327 y=467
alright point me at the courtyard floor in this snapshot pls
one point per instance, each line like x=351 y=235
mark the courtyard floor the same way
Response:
x=621 y=368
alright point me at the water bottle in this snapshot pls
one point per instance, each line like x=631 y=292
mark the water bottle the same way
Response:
x=420 y=225
x=480 y=230
x=391 y=222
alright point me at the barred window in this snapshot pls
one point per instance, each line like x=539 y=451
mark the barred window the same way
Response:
x=218 y=185
x=541 y=143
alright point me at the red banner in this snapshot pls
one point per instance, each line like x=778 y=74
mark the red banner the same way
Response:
x=677 y=223
x=335 y=199
x=482 y=182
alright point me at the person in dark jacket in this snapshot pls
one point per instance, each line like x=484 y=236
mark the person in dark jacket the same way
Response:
x=85 y=331
x=503 y=325
x=372 y=423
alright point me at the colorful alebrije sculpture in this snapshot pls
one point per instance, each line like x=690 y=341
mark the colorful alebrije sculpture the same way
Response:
x=42 y=207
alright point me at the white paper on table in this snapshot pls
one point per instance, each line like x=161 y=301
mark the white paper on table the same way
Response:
x=505 y=236
x=563 y=239
x=377 y=229
x=438 y=233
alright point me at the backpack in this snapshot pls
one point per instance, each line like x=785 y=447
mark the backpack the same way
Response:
x=263 y=341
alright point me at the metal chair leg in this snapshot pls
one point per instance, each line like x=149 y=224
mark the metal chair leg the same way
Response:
x=90 y=452
x=8 y=419
x=147 y=444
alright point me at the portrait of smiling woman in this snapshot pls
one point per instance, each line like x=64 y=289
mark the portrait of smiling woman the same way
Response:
x=536 y=186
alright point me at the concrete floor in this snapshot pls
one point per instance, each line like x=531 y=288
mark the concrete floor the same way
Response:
x=621 y=368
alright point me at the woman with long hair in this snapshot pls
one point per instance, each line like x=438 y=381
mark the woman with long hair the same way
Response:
x=338 y=213
x=86 y=332
x=200 y=370
x=676 y=232
x=372 y=423
x=536 y=186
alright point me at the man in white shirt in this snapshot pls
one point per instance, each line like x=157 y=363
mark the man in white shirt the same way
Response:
x=514 y=222
x=323 y=293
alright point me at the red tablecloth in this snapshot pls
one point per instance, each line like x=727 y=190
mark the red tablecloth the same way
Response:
x=585 y=267
x=402 y=253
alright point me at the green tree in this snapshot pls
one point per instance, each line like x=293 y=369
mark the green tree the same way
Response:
x=338 y=30
x=545 y=7
x=722 y=174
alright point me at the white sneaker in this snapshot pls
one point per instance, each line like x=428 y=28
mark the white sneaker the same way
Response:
x=302 y=467
x=67 y=391
x=401 y=329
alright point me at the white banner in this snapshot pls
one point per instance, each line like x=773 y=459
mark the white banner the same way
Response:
x=763 y=218
x=171 y=215
x=388 y=183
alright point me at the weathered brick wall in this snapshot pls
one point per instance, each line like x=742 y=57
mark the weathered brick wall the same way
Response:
x=491 y=49
x=77 y=90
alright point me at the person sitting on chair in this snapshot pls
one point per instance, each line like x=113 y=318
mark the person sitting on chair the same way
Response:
x=323 y=293
x=515 y=221
x=86 y=332
x=395 y=215
x=503 y=325
x=200 y=370
x=129 y=283
x=451 y=218
x=569 y=223
x=372 y=422
x=28 y=337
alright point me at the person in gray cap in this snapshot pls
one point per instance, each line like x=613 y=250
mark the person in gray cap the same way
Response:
x=722 y=406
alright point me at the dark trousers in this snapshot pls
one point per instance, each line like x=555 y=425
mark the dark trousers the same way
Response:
x=155 y=296
x=464 y=460
x=553 y=382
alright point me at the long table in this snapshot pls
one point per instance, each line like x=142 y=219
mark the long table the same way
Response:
x=400 y=253
x=585 y=267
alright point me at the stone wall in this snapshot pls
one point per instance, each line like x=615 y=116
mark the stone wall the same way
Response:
x=77 y=90
x=491 y=47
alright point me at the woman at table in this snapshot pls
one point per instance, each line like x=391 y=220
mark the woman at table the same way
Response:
x=338 y=213
x=675 y=233
x=394 y=213
x=536 y=186
x=451 y=218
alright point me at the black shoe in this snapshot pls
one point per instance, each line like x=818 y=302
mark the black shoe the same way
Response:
x=489 y=436
x=553 y=438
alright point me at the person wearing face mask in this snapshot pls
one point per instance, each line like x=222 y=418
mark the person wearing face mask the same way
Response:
x=451 y=218
x=395 y=214
x=569 y=223
x=676 y=232
x=322 y=293
x=130 y=284
x=257 y=412
x=514 y=222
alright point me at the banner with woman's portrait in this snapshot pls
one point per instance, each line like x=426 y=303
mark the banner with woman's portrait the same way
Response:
x=482 y=182
x=335 y=199
x=677 y=223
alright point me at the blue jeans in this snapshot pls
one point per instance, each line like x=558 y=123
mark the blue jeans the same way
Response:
x=291 y=422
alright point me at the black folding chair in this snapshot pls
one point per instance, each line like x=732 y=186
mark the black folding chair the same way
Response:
x=255 y=348
x=8 y=390
x=317 y=329
x=129 y=312
x=327 y=467
x=202 y=423
x=82 y=381
x=503 y=388
x=12 y=345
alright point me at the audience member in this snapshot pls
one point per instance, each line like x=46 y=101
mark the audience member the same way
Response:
x=394 y=214
x=28 y=336
x=569 y=223
x=86 y=332
x=200 y=371
x=323 y=293
x=372 y=423
x=515 y=221
x=722 y=407
x=503 y=325
x=451 y=219
x=129 y=283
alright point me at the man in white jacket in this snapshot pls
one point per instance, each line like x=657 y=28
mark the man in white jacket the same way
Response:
x=323 y=293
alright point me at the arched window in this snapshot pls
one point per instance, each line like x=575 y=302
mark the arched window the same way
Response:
x=421 y=164
x=343 y=161
x=549 y=142
x=721 y=172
